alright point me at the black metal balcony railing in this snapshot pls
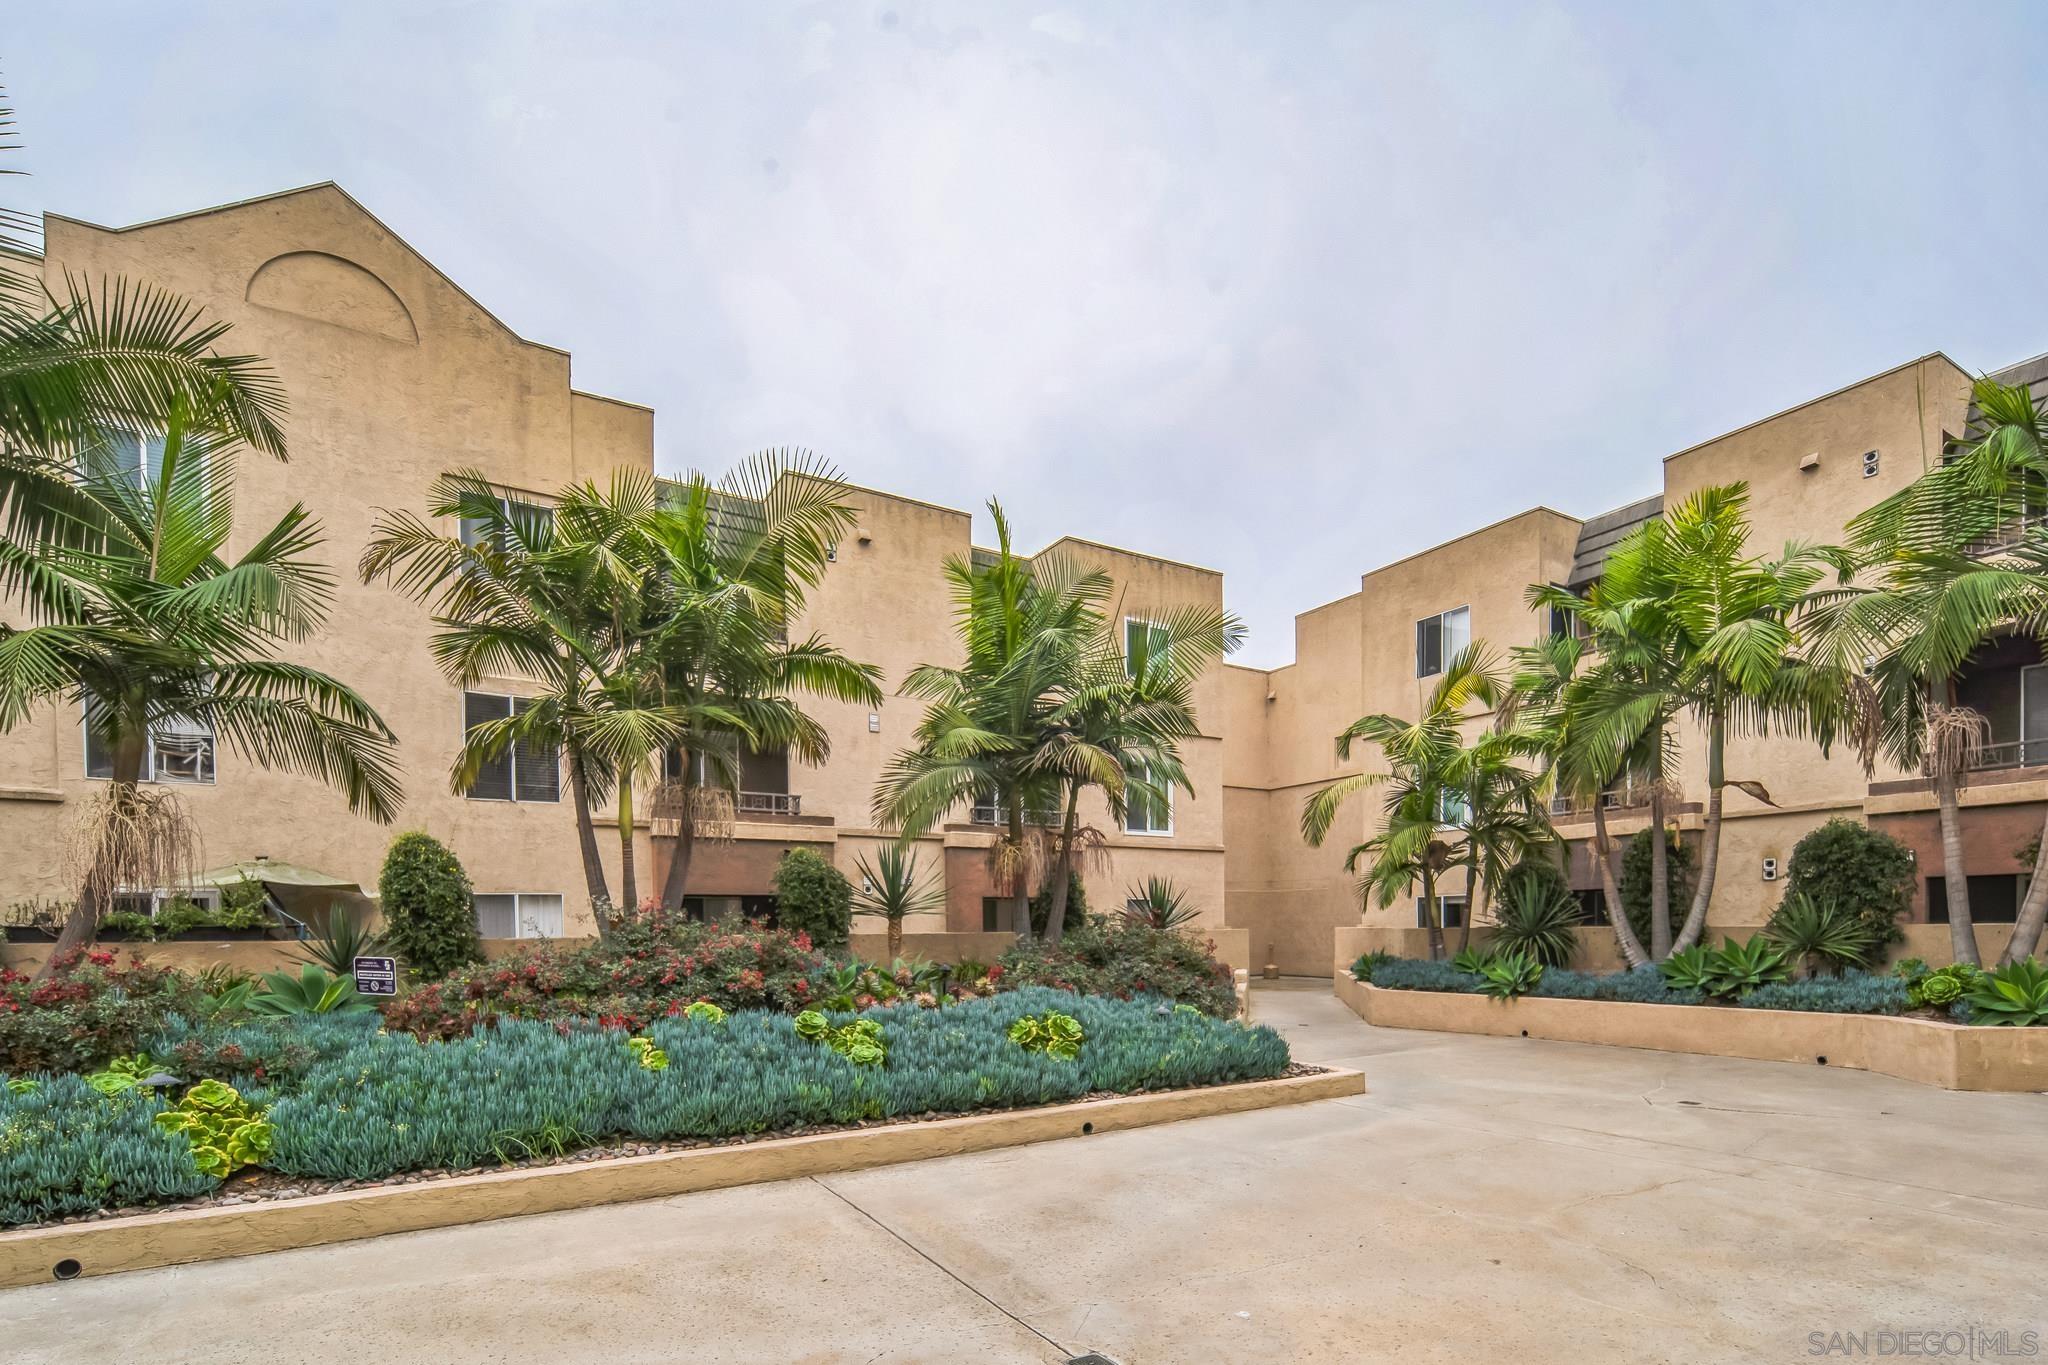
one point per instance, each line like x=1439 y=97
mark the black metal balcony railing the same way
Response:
x=1622 y=798
x=768 y=803
x=2007 y=535
x=2018 y=753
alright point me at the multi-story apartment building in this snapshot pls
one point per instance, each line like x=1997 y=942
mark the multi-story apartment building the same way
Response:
x=396 y=375
x=1809 y=470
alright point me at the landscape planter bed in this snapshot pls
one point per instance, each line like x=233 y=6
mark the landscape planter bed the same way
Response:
x=218 y=1229
x=1931 y=1052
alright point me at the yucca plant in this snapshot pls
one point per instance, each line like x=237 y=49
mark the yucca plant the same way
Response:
x=344 y=940
x=2015 y=995
x=1537 y=917
x=311 y=991
x=890 y=889
x=1819 y=935
x=1158 y=904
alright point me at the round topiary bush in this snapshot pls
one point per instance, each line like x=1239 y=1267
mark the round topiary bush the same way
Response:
x=429 y=906
x=1857 y=869
x=815 y=897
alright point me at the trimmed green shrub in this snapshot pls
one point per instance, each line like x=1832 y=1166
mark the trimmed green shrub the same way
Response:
x=1867 y=874
x=1123 y=958
x=85 y=1014
x=1850 y=993
x=1644 y=985
x=1634 y=883
x=1420 y=974
x=67 y=1149
x=429 y=907
x=813 y=897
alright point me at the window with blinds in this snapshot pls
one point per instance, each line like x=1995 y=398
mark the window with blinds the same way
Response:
x=523 y=772
x=519 y=914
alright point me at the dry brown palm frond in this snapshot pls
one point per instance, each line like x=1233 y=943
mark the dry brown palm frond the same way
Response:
x=713 y=812
x=1866 y=720
x=126 y=838
x=1955 y=735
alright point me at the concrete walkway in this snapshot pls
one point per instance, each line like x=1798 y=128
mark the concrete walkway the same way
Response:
x=1491 y=1199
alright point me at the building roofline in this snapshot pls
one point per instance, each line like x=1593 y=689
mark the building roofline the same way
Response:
x=1467 y=535
x=1822 y=398
x=607 y=398
x=1134 y=554
x=359 y=206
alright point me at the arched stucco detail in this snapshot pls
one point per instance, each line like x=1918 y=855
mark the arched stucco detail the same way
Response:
x=328 y=289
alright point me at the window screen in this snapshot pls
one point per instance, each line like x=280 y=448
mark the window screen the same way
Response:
x=493 y=779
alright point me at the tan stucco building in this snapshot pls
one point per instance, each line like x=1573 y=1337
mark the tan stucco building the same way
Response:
x=396 y=375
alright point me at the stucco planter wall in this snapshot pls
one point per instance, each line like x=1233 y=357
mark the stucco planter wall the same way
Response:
x=1951 y=1056
x=145 y=1241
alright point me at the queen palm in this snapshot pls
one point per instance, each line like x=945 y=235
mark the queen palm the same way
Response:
x=737 y=560
x=1120 y=730
x=993 y=723
x=1591 y=743
x=1938 y=569
x=1423 y=763
x=138 y=616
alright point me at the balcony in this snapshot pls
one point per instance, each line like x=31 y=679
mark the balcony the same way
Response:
x=1578 y=808
x=2018 y=753
x=768 y=803
x=995 y=815
x=2009 y=534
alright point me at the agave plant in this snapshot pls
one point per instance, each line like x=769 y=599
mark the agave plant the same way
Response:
x=2015 y=995
x=344 y=941
x=1538 y=917
x=1509 y=975
x=1472 y=960
x=1736 y=969
x=312 y=991
x=1689 y=969
x=1159 y=904
x=1819 y=935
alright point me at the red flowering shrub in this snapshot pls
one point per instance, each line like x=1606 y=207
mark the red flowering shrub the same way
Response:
x=90 y=1010
x=1123 y=958
x=654 y=966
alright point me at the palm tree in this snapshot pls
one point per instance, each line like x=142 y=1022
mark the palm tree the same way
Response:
x=1591 y=741
x=140 y=619
x=993 y=725
x=1707 y=626
x=1499 y=808
x=737 y=560
x=1121 y=728
x=1423 y=760
x=1931 y=585
x=890 y=889
x=513 y=595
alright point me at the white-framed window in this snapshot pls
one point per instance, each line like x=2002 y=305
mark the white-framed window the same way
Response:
x=1147 y=812
x=130 y=454
x=1141 y=637
x=519 y=914
x=517 y=509
x=152 y=902
x=1452 y=809
x=522 y=772
x=179 y=749
x=1439 y=638
x=1450 y=912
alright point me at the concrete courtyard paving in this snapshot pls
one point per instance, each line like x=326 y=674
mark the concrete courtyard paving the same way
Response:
x=1490 y=1199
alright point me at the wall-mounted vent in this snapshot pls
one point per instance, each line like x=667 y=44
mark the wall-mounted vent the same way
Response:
x=1869 y=464
x=1770 y=869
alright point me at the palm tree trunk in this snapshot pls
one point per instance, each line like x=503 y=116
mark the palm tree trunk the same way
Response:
x=586 y=844
x=1471 y=900
x=1603 y=855
x=96 y=896
x=1020 y=899
x=1710 y=830
x=629 y=882
x=1962 y=931
x=1660 y=875
x=675 y=883
x=1430 y=916
x=2033 y=915
x=895 y=939
x=1063 y=870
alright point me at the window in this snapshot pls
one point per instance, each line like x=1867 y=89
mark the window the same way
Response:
x=133 y=457
x=1451 y=808
x=180 y=749
x=1142 y=640
x=1450 y=912
x=1147 y=812
x=519 y=914
x=995 y=915
x=1439 y=638
x=522 y=772
x=527 y=515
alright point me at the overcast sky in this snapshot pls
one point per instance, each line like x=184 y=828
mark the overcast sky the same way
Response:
x=1288 y=290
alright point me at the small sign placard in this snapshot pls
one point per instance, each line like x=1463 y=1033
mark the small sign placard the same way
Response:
x=377 y=975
